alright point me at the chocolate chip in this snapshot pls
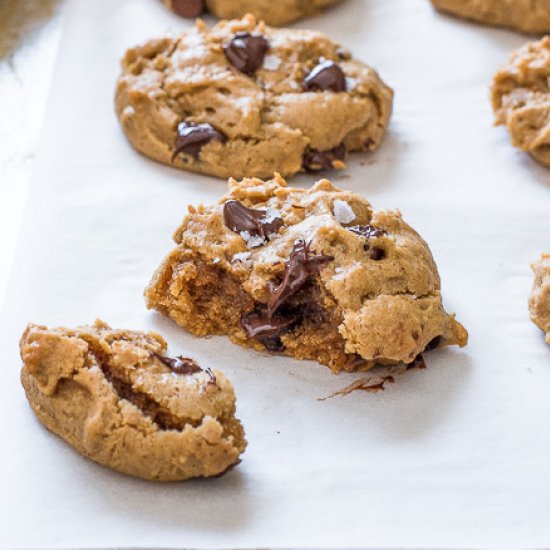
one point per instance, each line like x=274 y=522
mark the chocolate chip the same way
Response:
x=258 y=223
x=246 y=52
x=191 y=138
x=180 y=365
x=267 y=322
x=324 y=160
x=367 y=231
x=326 y=76
x=188 y=8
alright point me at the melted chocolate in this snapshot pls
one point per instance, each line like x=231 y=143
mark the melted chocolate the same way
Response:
x=268 y=322
x=323 y=160
x=258 y=223
x=300 y=267
x=246 y=52
x=326 y=76
x=191 y=138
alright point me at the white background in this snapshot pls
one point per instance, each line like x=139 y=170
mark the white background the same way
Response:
x=454 y=456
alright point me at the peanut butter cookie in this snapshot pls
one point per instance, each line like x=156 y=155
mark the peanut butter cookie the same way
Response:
x=315 y=274
x=530 y=16
x=273 y=13
x=521 y=99
x=242 y=99
x=119 y=400
x=539 y=301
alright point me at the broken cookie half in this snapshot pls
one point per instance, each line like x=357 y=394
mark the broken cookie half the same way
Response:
x=119 y=400
x=314 y=274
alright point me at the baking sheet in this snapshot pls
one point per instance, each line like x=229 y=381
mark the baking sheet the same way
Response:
x=454 y=456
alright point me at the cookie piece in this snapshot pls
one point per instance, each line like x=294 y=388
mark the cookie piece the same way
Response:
x=529 y=16
x=539 y=301
x=521 y=99
x=118 y=400
x=273 y=13
x=242 y=99
x=314 y=274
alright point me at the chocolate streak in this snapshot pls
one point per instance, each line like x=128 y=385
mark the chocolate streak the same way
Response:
x=269 y=321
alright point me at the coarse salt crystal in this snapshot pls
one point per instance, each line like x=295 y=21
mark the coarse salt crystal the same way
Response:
x=272 y=62
x=343 y=212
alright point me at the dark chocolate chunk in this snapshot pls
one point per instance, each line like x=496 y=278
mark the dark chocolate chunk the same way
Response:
x=267 y=329
x=246 y=52
x=367 y=231
x=191 y=138
x=188 y=8
x=323 y=160
x=300 y=267
x=326 y=76
x=180 y=365
x=258 y=223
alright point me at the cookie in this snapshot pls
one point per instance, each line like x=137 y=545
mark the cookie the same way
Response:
x=529 y=16
x=242 y=99
x=314 y=274
x=118 y=399
x=521 y=99
x=539 y=301
x=273 y=13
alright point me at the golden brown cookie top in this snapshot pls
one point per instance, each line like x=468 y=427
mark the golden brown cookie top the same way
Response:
x=243 y=98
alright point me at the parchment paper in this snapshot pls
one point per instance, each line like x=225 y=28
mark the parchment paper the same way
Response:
x=457 y=455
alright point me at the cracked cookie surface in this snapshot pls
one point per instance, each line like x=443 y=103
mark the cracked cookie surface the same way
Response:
x=242 y=99
x=539 y=301
x=315 y=274
x=530 y=16
x=273 y=13
x=117 y=399
x=521 y=99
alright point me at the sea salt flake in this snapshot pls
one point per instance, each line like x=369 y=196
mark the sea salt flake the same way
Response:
x=351 y=83
x=343 y=212
x=272 y=62
x=242 y=257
